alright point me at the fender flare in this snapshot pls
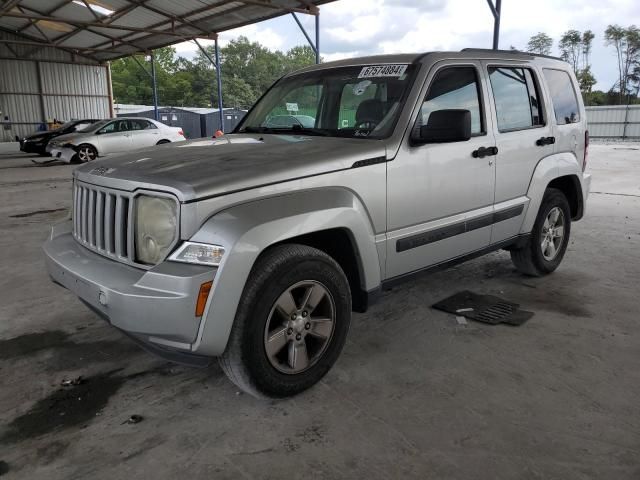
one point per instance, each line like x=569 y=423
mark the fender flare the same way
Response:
x=548 y=169
x=246 y=230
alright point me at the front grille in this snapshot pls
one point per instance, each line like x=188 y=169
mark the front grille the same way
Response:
x=103 y=221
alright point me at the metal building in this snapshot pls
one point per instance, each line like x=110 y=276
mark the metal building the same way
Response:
x=195 y=122
x=54 y=53
x=41 y=84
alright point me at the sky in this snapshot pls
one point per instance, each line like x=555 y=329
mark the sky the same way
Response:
x=350 y=28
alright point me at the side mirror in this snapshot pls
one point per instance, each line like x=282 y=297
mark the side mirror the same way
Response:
x=445 y=126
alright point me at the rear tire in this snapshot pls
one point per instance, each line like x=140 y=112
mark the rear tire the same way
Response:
x=549 y=237
x=280 y=343
x=162 y=142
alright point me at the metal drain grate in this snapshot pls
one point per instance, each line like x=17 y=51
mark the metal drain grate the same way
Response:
x=484 y=308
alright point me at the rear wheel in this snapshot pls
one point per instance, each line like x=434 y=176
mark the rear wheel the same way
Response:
x=549 y=238
x=291 y=324
x=86 y=153
x=162 y=142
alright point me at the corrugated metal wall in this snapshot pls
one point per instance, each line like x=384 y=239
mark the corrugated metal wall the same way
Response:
x=614 y=121
x=43 y=84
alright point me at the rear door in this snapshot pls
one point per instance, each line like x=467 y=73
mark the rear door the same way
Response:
x=568 y=128
x=143 y=133
x=440 y=195
x=523 y=137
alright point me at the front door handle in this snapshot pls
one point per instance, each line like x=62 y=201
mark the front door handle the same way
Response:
x=484 y=152
x=542 y=141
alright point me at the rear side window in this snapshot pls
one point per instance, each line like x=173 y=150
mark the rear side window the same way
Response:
x=454 y=88
x=563 y=96
x=516 y=98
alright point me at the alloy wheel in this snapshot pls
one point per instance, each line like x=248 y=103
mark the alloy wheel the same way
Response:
x=86 y=154
x=552 y=233
x=299 y=327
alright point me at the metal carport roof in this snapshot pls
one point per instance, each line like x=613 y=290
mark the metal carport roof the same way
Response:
x=103 y=30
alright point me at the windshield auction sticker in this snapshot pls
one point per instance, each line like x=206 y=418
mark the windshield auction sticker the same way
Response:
x=377 y=71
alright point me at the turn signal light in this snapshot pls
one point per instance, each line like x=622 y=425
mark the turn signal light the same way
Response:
x=203 y=294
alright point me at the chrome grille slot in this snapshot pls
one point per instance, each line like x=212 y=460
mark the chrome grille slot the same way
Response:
x=103 y=221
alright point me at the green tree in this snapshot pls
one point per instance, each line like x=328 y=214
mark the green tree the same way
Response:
x=626 y=42
x=540 y=43
x=571 y=48
x=248 y=69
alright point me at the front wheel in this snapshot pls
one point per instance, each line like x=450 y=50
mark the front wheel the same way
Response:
x=291 y=324
x=549 y=238
x=86 y=153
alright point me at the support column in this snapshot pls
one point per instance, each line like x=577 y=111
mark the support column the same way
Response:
x=496 y=21
x=318 y=38
x=110 y=90
x=219 y=75
x=155 y=86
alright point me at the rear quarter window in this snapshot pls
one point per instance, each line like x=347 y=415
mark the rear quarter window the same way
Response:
x=563 y=96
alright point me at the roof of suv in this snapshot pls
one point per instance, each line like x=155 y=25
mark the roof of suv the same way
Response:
x=467 y=53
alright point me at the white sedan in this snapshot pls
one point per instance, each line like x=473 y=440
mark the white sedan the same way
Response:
x=113 y=136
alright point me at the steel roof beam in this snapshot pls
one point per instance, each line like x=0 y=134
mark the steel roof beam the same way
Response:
x=73 y=50
x=79 y=23
x=50 y=12
x=37 y=41
x=171 y=17
x=164 y=22
x=8 y=5
x=264 y=3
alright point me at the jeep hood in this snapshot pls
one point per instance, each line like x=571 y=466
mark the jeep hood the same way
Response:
x=211 y=167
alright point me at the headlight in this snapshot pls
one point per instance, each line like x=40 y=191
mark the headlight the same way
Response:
x=200 y=253
x=156 y=228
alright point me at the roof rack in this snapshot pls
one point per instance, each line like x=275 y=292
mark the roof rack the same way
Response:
x=489 y=50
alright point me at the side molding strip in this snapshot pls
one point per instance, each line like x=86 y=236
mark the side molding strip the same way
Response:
x=465 y=226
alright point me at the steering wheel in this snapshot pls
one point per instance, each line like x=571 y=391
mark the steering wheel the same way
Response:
x=366 y=124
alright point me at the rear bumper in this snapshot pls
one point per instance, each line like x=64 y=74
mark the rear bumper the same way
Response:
x=586 y=188
x=155 y=306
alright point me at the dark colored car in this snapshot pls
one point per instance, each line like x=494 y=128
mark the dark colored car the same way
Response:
x=37 y=142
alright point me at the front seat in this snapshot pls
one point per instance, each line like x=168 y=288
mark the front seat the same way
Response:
x=370 y=111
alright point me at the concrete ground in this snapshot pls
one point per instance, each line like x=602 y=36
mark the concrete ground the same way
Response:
x=414 y=395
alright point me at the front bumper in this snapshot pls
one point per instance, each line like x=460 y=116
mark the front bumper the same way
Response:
x=65 y=154
x=32 y=147
x=155 y=306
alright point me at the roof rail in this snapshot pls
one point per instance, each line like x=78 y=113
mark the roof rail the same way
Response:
x=489 y=50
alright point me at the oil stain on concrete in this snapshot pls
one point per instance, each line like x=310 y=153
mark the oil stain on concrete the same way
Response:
x=65 y=408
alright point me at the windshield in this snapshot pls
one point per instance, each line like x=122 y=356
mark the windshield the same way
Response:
x=362 y=101
x=93 y=126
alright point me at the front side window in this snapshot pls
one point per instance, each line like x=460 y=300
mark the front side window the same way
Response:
x=516 y=98
x=454 y=88
x=362 y=101
x=563 y=96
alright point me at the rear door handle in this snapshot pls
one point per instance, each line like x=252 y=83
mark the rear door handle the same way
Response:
x=484 y=152
x=542 y=141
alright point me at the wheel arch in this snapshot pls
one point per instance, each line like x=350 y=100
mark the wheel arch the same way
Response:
x=562 y=171
x=333 y=219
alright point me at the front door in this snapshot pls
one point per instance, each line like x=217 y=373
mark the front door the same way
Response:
x=440 y=196
x=114 y=137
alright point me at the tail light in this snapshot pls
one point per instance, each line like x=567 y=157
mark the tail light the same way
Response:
x=180 y=132
x=586 y=150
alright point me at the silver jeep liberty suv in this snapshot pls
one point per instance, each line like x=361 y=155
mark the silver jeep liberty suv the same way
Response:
x=344 y=178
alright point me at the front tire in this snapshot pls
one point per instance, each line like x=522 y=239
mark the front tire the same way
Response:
x=291 y=324
x=549 y=238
